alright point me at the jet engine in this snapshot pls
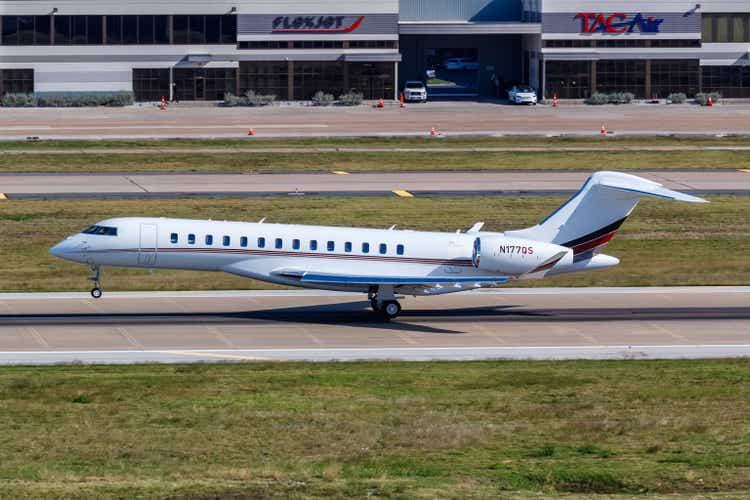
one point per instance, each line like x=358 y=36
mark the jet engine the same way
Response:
x=516 y=256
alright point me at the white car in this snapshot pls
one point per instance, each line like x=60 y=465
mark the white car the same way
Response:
x=460 y=64
x=414 y=90
x=522 y=94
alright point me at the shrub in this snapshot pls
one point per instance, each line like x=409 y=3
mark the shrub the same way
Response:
x=82 y=99
x=677 y=98
x=597 y=98
x=249 y=99
x=322 y=99
x=702 y=97
x=18 y=101
x=351 y=98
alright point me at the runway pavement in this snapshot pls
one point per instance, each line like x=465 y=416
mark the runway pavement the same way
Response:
x=351 y=184
x=590 y=323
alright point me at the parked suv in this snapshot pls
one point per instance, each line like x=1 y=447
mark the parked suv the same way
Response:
x=522 y=94
x=414 y=90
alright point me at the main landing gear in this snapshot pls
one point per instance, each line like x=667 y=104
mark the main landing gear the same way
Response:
x=383 y=301
x=96 y=292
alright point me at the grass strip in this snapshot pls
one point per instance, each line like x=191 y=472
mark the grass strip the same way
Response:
x=406 y=430
x=663 y=243
x=374 y=161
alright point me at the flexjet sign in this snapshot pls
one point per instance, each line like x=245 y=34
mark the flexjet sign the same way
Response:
x=316 y=24
x=617 y=23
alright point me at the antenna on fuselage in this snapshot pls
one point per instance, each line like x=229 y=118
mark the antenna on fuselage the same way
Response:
x=262 y=220
x=392 y=227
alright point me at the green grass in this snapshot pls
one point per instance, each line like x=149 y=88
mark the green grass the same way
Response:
x=663 y=243
x=385 y=142
x=192 y=160
x=404 y=430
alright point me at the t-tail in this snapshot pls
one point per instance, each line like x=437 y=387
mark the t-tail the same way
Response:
x=589 y=220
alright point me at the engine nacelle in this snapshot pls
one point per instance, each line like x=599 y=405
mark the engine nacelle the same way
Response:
x=516 y=256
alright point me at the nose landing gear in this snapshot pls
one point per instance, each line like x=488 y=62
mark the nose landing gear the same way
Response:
x=96 y=292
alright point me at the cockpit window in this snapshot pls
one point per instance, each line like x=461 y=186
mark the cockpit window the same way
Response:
x=102 y=230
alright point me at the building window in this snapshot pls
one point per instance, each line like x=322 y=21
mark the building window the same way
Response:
x=261 y=242
x=621 y=76
x=365 y=248
x=674 y=76
x=311 y=76
x=150 y=84
x=383 y=248
x=374 y=80
x=730 y=81
x=209 y=239
x=400 y=249
x=226 y=240
x=205 y=29
x=726 y=28
x=243 y=242
x=25 y=30
x=78 y=30
x=331 y=246
x=569 y=79
x=279 y=243
x=191 y=239
x=267 y=78
x=313 y=245
x=295 y=244
x=16 y=81
x=173 y=238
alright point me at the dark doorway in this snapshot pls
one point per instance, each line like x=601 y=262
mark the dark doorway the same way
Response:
x=200 y=88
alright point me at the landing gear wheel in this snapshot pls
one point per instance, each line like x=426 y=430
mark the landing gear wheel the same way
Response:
x=390 y=309
x=96 y=292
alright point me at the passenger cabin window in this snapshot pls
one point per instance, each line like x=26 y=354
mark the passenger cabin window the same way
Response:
x=365 y=248
x=243 y=241
x=226 y=241
x=101 y=230
x=400 y=249
x=209 y=239
x=331 y=246
x=191 y=239
x=173 y=238
x=261 y=242
x=313 y=245
x=279 y=243
x=348 y=246
x=383 y=248
x=295 y=244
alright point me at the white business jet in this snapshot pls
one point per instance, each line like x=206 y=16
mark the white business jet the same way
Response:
x=381 y=263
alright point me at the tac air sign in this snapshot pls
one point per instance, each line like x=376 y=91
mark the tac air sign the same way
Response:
x=618 y=22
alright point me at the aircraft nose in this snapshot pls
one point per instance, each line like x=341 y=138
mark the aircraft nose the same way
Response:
x=58 y=250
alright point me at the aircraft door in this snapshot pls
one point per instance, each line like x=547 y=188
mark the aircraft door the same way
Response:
x=147 y=247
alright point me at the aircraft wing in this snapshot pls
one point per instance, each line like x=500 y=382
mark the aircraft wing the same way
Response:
x=349 y=279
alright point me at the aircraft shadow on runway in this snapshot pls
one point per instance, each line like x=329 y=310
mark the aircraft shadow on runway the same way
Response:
x=357 y=314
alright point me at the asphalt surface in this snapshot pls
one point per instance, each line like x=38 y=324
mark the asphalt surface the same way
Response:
x=586 y=323
x=449 y=118
x=347 y=184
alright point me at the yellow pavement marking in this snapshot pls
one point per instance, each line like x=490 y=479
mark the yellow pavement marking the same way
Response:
x=340 y=172
x=403 y=193
x=3 y=197
x=745 y=170
x=223 y=356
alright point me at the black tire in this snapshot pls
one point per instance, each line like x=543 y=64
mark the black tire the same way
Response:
x=390 y=309
x=96 y=292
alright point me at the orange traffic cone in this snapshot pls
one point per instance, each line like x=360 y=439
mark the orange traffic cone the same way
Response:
x=554 y=100
x=163 y=104
x=604 y=130
x=710 y=101
x=380 y=103
x=433 y=132
x=401 y=100
x=251 y=132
